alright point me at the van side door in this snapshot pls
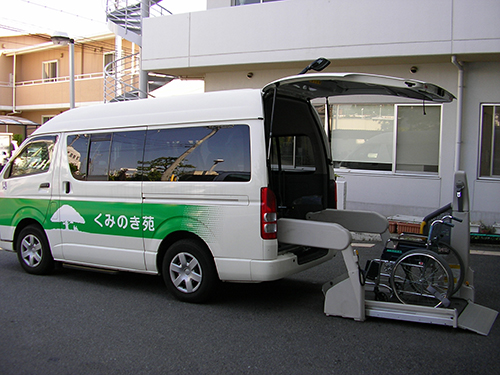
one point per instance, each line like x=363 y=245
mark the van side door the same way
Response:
x=198 y=179
x=100 y=210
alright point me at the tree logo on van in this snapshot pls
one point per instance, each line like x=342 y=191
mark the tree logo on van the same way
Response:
x=67 y=215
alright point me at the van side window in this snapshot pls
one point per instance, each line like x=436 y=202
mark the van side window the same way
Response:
x=126 y=155
x=77 y=149
x=35 y=157
x=210 y=153
x=106 y=156
x=98 y=164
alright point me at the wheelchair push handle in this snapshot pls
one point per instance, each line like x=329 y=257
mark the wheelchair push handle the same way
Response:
x=435 y=231
x=450 y=218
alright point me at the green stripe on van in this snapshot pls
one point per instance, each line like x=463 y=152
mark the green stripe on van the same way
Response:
x=154 y=221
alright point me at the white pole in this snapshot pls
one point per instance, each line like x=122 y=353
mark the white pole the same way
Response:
x=458 y=146
x=71 y=73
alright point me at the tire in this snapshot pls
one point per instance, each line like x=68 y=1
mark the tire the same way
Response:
x=454 y=260
x=421 y=277
x=33 y=251
x=189 y=271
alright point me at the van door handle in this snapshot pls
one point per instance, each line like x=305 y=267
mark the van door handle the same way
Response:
x=44 y=185
x=67 y=187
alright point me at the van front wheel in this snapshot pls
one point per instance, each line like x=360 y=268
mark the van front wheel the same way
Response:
x=189 y=271
x=33 y=251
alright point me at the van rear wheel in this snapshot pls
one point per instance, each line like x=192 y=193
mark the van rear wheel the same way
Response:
x=189 y=271
x=33 y=251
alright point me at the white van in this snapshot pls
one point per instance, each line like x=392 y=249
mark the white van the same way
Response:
x=190 y=187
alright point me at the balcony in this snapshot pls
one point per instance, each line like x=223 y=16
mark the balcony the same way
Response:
x=54 y=92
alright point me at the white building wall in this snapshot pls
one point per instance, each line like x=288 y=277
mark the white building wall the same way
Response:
x=299 y=30
x=272 y=40
x=482 y=86
x=404 y=193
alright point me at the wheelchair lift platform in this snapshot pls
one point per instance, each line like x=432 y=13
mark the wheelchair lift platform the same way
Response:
x=469 y=316
x=345 y=296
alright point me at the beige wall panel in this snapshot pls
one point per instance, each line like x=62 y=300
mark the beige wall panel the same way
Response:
x=90 y=90
x=58 y=92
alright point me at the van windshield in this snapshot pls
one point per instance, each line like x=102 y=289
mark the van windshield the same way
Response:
x=35 y=157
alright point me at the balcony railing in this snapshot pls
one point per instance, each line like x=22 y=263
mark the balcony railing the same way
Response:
x=43 y=81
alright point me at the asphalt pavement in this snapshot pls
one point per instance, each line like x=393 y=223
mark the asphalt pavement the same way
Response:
x=85 y=322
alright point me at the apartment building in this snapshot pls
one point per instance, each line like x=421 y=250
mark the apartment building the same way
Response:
x=391 y=164
x=35 y=75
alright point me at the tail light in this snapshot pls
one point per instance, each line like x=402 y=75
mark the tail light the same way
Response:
x=268 y=215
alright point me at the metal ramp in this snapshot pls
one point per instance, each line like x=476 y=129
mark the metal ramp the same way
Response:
x=477 y=318
x=345 y=295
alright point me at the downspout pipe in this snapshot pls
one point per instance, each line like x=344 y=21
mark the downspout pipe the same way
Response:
x=71 y=73
x=458 y=145
x=14 y=112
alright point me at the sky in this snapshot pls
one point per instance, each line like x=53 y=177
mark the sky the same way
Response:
x=77 y=18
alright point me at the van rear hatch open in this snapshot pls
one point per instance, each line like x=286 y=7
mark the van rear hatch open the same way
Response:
x=299 y=161
x=321 y=85
x=298 y=154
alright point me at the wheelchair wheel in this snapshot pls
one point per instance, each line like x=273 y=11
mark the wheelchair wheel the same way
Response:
x=454 y=260
x=422 y=277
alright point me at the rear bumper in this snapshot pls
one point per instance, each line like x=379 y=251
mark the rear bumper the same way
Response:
x=284 y=265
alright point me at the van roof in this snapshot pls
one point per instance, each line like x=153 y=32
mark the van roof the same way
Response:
x=234 y=105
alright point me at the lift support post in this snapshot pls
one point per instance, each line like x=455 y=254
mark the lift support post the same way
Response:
x=349 y=293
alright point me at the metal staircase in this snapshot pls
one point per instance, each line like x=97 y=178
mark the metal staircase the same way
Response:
x=123 y=78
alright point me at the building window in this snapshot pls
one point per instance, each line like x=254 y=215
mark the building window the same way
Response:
x=386 y=137
x=109 y=58
x=246 y=2
x=418 y=138
x=293 y=153
x=46 y=118
x=490 y=141
x=49 y=73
